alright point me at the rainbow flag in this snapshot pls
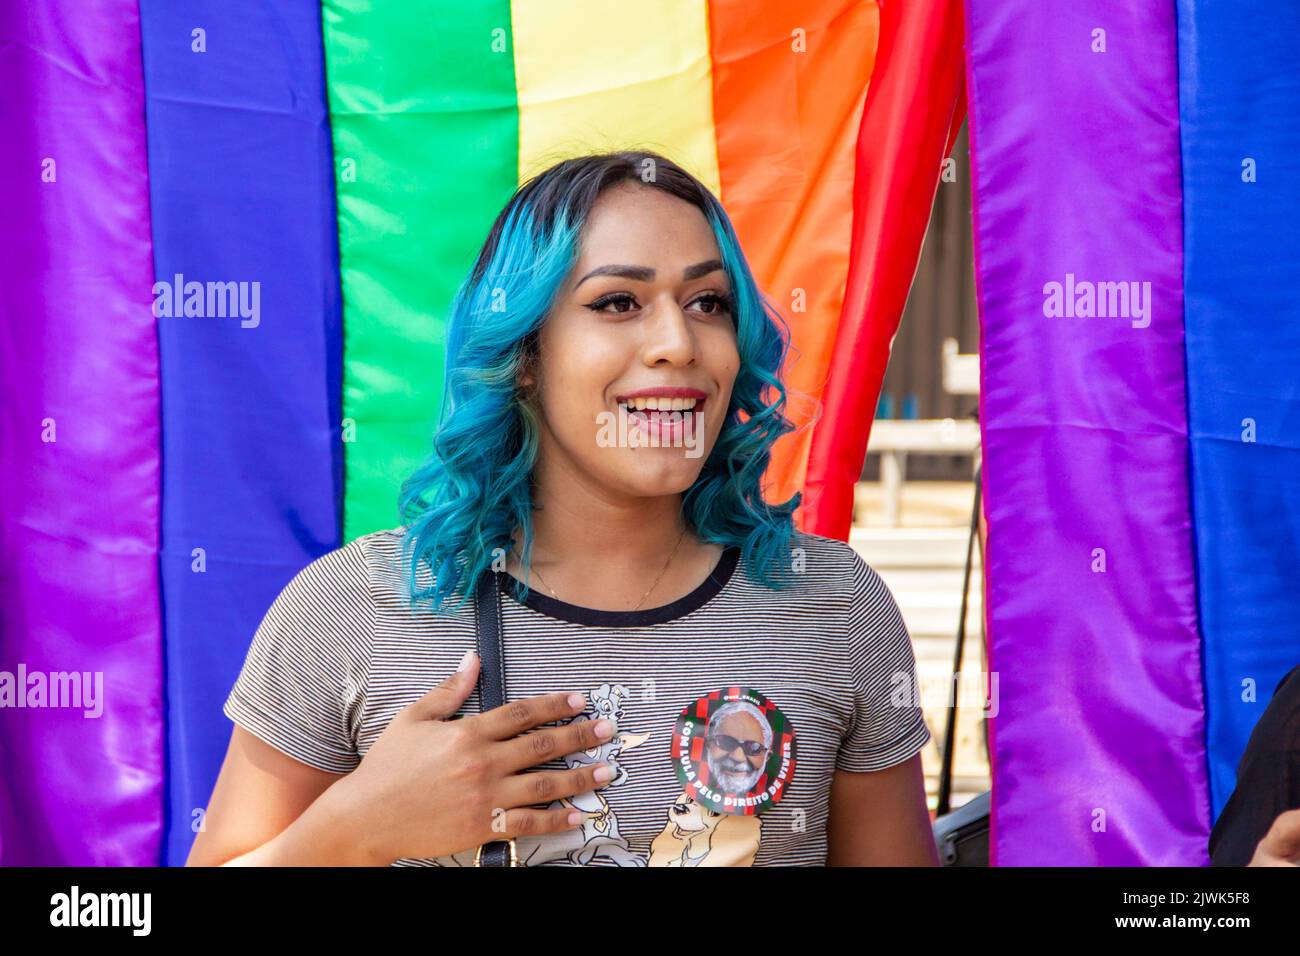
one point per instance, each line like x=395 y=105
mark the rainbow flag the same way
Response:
x=323 y=174
x=1137 y=174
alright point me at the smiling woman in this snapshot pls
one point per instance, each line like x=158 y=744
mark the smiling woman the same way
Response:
x=625 y=273
x=690 y=682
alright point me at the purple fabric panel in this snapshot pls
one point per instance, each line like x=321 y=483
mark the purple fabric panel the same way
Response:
x=79 y=514
x=1099 y=753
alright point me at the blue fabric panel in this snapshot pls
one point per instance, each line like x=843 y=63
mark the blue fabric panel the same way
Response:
x=1240 y=117
x=242 y=191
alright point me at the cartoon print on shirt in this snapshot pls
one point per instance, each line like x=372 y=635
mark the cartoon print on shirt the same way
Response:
x=733 y=751
x=597 y=838
x=698 y=836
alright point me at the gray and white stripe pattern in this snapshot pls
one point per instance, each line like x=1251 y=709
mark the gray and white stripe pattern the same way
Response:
x=340 y=652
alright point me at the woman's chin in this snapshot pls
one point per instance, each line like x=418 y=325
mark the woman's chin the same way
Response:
x=659 y=473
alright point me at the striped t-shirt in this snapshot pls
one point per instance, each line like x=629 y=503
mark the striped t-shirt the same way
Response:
x=733 y=705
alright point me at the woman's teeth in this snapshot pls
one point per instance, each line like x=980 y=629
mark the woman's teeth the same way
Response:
x=660 y=419
x=652 y=403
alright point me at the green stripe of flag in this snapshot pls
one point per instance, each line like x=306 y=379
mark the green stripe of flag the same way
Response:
x=425 y=123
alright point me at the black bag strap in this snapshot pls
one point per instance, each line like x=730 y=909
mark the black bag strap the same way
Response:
x=491 y=682
x=492 y=674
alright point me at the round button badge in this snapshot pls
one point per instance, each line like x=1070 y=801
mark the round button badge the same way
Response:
x=734 y=751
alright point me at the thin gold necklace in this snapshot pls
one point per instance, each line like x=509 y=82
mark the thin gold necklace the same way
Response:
x=673 y=554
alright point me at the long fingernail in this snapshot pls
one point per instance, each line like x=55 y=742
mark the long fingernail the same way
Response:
x=465 y=661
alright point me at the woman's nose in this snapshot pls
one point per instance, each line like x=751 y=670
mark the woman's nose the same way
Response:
x=669 y=338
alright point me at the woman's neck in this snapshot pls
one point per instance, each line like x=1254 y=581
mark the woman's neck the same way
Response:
x=597 y=551
x=628 y=534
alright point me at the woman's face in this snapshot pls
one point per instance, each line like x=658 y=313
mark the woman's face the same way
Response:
x=638 y=355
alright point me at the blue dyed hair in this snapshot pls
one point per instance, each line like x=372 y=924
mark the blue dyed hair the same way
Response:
x=474 y=491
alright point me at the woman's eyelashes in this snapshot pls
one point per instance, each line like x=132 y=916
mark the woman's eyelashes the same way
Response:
x=622 y=299
x=720 y=303
x=625 y=302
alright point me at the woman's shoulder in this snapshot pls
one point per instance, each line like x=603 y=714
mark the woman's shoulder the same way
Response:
x=829 y=561
x=833 y=573
x=818 y=571
x=381 y=551
x=357 y=571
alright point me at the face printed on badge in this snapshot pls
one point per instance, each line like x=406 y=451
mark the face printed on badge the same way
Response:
x=734 y=751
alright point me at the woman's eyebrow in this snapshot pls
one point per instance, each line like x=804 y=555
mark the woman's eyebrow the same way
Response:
x=646 y=274
x=701 y=269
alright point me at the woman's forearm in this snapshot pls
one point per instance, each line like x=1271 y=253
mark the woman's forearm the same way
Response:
x=324 y=835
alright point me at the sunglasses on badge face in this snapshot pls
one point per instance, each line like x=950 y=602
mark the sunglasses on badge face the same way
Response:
x=727 y=744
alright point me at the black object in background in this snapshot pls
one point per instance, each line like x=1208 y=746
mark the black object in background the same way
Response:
x=1268 y=778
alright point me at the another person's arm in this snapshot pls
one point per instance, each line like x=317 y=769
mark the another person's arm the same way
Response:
x=1281 y=845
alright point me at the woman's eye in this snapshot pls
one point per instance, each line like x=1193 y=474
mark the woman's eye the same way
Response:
x=622 y=301
x=718 y=303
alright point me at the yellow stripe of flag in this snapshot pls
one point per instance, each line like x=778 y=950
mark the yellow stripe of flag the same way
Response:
x=592 y=80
